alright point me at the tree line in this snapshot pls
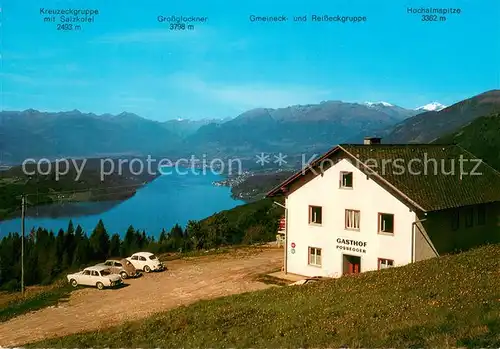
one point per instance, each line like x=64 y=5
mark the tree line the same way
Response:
x=47 y=255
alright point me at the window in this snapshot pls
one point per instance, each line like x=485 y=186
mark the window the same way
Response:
x=481 y=215
x=134 y=258
x=315 y=215
x=455 y=220
x=469 y=217
x=108 y=263
x=346 y=179
x=352 y=218
x=86 y=272
x=315 y=256
x=141 y=258
x=95 y=273
x=386 y=223
x=152 y=257
x=118 y=264
x=105 y=273
x=385 y=263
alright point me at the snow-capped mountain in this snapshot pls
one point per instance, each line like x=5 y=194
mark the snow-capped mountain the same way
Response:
x=434 y=106
x=381 y=103
x=391 y=109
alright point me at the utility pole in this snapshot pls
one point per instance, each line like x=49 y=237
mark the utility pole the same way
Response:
x=22 y=242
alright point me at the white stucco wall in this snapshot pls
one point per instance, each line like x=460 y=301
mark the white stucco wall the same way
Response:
x=367 y=197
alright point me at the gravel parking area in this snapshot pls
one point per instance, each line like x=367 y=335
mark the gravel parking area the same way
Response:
x=185 y=281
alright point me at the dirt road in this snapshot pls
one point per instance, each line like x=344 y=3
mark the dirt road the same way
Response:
x=185 y=281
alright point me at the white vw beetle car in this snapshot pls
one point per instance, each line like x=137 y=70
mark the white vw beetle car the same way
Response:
x=98 y=276
x=146 y=261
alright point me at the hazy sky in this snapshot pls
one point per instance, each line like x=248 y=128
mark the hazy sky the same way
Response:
x=127 y=60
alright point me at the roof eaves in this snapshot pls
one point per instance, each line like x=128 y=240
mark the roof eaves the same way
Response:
x=301 y=172
x=482 y=162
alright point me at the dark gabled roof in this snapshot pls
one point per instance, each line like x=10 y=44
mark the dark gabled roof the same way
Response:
x=401 y=169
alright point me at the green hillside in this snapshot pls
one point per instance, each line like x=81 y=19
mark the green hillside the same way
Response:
x=481 y=137
x=257 y=186
x=453 y=301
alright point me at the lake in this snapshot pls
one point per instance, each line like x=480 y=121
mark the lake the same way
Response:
x=170 y=199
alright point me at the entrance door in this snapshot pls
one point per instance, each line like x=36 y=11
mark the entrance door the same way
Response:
x=352 y=264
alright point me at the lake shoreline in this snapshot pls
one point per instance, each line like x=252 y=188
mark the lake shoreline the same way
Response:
x=86 y=187
x=251 y=186
x=75 y=209
x=162 y=203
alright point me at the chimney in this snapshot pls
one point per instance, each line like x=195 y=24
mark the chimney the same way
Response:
x=372 y=140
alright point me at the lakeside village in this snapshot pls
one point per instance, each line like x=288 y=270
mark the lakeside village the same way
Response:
x=248 y=192
x=235 y=180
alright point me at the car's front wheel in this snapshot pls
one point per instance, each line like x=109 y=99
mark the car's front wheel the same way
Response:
x=100 y=285
x=73 y=283
x=147 y=269
x=123 y=275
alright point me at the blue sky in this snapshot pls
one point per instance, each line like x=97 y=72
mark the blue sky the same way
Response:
x=127 y=61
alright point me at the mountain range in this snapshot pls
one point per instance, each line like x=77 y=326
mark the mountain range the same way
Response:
x=186 y=127
x=291 y=130
x=429 y=126
x=296 y=129
x=36 y=134
x=433 y=106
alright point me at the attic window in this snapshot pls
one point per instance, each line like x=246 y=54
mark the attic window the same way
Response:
x=346 y=180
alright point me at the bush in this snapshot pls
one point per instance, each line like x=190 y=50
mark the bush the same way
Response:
x=11 y=286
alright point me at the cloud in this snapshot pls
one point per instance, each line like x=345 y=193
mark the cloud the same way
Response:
x=23 y=56
x=18 y=78
x=42 y=81
x=22 y=94
x=253 y=94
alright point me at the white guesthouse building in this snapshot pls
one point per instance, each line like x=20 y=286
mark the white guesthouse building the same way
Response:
x=374 y=206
